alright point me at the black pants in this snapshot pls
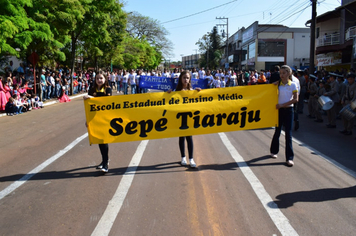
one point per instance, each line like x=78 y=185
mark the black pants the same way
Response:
x=182 y=146
x=104 y=150
x=285 y=116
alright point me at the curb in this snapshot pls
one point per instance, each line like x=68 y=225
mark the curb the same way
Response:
x=53 y=102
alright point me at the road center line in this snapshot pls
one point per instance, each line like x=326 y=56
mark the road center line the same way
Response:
x=278 y=218
x=49 y=161
x=112 y=210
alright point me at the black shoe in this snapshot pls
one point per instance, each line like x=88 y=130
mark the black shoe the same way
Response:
x=348 y=133
x=105 y=169
x=319 y=120
x=331 y=126
x=100 y=166
x=310 y=116
x=343 y=131
x=296 y=125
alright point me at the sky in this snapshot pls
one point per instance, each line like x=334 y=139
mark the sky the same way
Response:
x=188 y=20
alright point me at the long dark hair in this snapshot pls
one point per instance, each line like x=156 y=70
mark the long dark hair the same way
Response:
x=106 y=84
x=180 y=84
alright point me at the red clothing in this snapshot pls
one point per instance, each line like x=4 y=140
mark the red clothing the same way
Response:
x=64 y=98
x=21 y=90
x=7 y=91
x=3 y=99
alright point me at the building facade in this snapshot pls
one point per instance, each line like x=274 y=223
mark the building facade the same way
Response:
x=260 y=47
x=334 y=40
x=191 y=61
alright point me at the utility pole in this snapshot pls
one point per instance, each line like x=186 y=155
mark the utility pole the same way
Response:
x=227 y=36
x=312 y=38
x=207 y=52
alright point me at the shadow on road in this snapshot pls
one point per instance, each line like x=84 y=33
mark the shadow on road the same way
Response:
x=234 y=165
x=80 y=173
x=320 y=195
x=151 y=169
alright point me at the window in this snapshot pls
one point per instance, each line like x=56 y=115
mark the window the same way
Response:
x=271 y=48
x=244 y=53
x=251 y=50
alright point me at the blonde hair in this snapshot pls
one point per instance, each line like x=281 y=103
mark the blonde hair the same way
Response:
x=288 y=69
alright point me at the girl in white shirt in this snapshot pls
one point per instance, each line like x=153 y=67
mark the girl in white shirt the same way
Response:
x=195 y=74
x=217 y=82
x=287 y=96
x=132 y=82
x=210 y=79
x=124 y=79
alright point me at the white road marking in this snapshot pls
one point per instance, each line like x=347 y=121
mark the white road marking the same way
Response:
x=278 y=218
x=49 y=161
x=112 y=210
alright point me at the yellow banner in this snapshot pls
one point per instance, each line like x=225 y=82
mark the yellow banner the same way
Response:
x=162 y=115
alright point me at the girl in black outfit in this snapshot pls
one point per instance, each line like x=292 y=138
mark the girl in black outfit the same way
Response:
x=101 y=88
x=184 y=83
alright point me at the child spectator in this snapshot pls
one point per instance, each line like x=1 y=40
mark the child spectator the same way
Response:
x=35 y=102
x=10 y=107
x=18 y=104
x=15 y=91
x=63 y=97
x=25 y=103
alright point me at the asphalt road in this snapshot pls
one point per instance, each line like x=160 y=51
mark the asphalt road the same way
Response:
x=49 y=184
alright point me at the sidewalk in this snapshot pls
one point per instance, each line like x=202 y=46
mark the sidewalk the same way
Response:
x=53 y=101
x=328 y=141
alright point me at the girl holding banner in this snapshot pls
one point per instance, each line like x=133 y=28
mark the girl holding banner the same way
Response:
x=101 y=88
x=287 y=96
x=184 y=83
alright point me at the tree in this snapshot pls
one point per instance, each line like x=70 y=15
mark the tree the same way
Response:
x=138 y=53
x=56 y=14
x=210 y=45
x=13 y=21
x=143 y=27
x=90 y=25
x=216 y=45
x=204 y=45
x=24 y=24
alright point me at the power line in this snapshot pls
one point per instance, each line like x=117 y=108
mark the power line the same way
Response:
x=236 y=16
x=213 y=8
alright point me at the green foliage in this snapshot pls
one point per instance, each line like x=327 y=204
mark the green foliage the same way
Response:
x=62 y=30
x=210 y=45
x=13 y=21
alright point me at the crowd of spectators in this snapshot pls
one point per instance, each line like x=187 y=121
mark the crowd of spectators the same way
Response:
x=17 y=87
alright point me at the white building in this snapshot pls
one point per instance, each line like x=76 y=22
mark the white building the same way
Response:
x=264 y=46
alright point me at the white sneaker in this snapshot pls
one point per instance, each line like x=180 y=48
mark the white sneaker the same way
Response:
x=184 y=161
x=274 y=155
x=290 y=163
x=192 y=163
